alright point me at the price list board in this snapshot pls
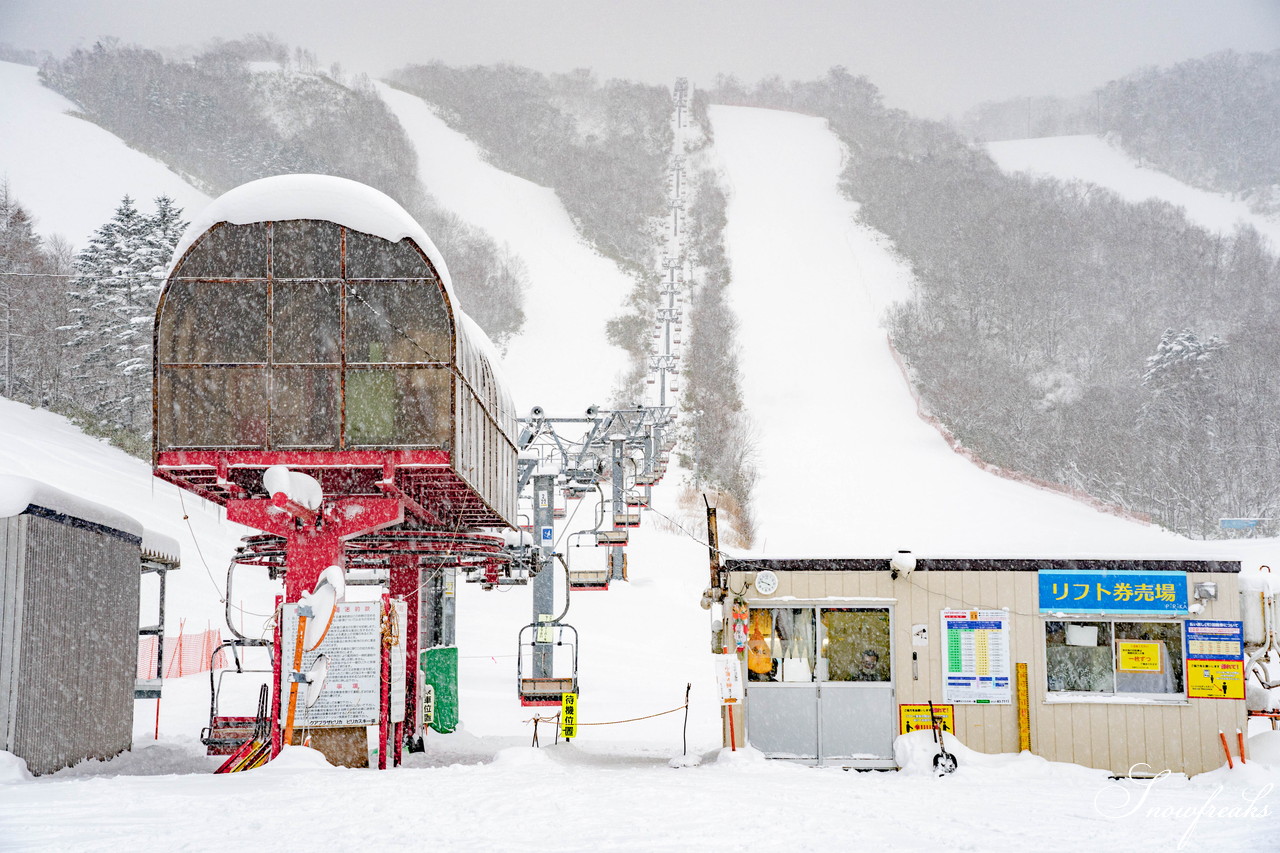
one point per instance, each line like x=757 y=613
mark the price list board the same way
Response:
x=975 y=666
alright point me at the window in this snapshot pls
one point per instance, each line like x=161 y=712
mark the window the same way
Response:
x=1107 y=657
x=805 y=644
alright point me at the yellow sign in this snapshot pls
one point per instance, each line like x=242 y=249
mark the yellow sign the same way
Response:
x=1138 y=656
x=568 y=715
x=914 y=717
x=1215 y=679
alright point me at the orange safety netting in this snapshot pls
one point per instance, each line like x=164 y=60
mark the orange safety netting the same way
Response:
x=184 y=654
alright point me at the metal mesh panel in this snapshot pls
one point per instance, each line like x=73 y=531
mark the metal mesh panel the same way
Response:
x=75 y=613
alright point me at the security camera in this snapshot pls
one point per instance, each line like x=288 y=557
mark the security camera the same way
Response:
x=902 y=563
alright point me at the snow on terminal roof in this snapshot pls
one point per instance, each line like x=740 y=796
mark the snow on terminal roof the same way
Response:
x=325 y=197
x=18 y=493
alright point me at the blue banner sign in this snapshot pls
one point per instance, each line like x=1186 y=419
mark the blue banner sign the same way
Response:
x=1113 y=592
x=1214 y=640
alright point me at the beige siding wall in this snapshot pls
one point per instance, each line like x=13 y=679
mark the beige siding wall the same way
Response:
x=1112 y=736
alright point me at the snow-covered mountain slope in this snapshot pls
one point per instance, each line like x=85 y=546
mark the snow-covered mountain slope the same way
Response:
x=1093 y=160
x=562 y=360
x=47 y=447
x=68 y=173
x=846 y=465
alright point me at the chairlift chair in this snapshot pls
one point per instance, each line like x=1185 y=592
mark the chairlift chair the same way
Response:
x=226 y=734
x=545 y=690
x=616 y=538
x=589 y=580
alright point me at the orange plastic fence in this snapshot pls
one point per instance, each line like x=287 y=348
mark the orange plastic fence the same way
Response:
x=184 y=654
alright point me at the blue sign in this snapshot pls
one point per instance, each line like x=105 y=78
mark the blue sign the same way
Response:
x=1113 y=592
x=1239 y=523
x=1214 y=640
x=546 y=534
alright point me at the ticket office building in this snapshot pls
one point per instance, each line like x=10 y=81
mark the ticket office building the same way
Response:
x=838 y=645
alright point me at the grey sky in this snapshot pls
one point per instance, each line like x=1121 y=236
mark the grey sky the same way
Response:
x=929 y=56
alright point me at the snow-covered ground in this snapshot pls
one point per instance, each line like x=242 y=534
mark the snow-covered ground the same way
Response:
x=69 y=173
x=483 y=788
x=1093 y=160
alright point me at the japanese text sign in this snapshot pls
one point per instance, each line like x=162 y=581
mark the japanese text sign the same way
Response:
x=1113 y=592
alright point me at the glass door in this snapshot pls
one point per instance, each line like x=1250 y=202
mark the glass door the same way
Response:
x=820 y=683
x=855 y=699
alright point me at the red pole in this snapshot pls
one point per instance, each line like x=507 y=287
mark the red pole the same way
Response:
x=733 y=736
x=1223 y=737
x=384 y=693
x=1240 y=741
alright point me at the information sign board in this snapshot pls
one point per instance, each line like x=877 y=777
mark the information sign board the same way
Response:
x=1215 y=679
x=1215 y=659
x=914 y=717
x=1214 y=640
x=568 y=715
x=975 y=666
x=729 y=679
x=353 y=649
x=1138 y=656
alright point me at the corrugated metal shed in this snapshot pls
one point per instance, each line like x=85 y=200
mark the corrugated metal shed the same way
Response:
x=69 y=583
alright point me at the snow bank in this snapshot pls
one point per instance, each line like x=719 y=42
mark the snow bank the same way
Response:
x=295 y=759
x=914 y=752
x=13 y=769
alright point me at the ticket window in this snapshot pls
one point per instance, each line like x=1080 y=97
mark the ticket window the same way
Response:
x=807 y=644
x=1114 y=658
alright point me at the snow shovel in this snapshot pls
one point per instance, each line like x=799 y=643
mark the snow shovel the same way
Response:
x=944 y=762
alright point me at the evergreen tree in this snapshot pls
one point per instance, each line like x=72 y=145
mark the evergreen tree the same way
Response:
x=113 y=299
x=21 y=257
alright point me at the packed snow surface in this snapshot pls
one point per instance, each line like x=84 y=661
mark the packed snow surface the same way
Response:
x=1093 y=160
x=641 y=643
x=69 y=173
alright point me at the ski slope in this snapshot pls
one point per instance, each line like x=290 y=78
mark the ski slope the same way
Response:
x=562 y=361
x=847 y=467
x=847 y=470
x=69 y=173
x=1092 y=160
